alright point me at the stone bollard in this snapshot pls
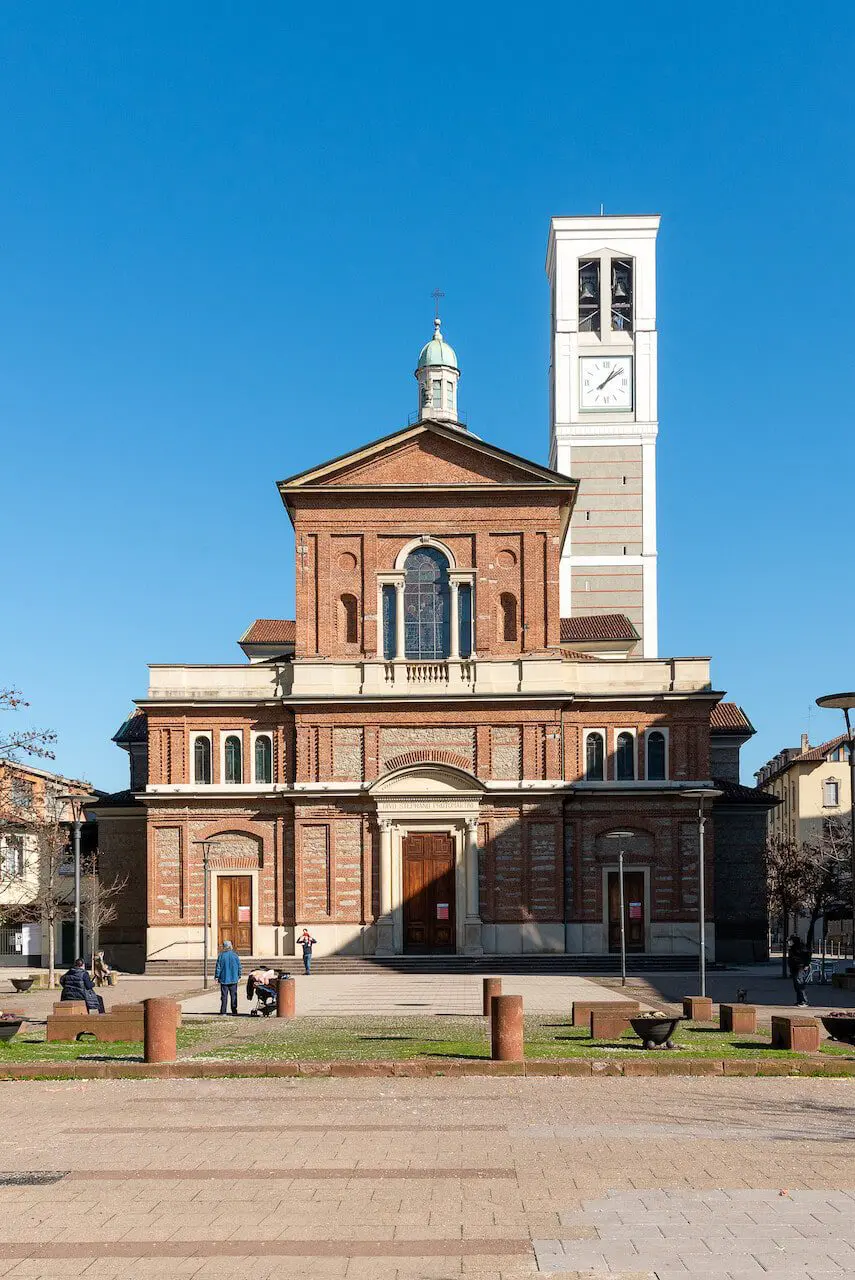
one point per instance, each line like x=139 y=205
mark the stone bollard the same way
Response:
x=286 y=1003
x=739 y=1019
x=608 y=1025
x=697 y=1008
x=160 y=1018
x=506 y=1029
x=492 y=987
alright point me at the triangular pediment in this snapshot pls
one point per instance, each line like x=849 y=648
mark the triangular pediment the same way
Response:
x=424 y=455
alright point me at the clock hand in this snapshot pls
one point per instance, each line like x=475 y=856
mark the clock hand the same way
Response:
x=613 y=374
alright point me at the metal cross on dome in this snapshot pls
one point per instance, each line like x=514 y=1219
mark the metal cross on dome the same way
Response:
x=436 y=295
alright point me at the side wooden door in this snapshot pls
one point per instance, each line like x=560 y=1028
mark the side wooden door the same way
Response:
x=634 y=921
x=234 y=912
x=429 y=917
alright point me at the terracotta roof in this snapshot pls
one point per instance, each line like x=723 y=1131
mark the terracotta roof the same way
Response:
x=134 y=729
x=271 y=631
x=820 y=752
x=598 y=626
x=727 y=717
x=573 y=655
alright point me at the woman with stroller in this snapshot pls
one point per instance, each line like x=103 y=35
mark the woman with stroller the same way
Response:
x=259 y=984
x=77 y=985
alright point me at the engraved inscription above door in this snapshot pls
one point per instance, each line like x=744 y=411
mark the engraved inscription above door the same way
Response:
x=429 y=885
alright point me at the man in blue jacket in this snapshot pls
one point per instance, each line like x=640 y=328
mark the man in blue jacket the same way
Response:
x=227 y=973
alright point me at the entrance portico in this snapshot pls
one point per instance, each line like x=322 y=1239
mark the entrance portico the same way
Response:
x=429 y=799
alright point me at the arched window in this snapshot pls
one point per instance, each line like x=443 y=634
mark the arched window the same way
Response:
x=508 y=615
x=202 y=760
x=426 y=599
x=594 y=757
x=348 y=619
x=263 y=759
x=656 y=771
x=234 y=768
x=625 y=757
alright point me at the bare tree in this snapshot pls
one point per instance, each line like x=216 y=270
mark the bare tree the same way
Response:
x=17 y=742
x=101 y=903
x=788 y=882
x=53 y=903
x=829 y=880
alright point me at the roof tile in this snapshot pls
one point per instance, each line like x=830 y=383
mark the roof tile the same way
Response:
x=598 y=626
x=271 y=631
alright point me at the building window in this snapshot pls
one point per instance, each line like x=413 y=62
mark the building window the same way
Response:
x=234 y=766
x=589 y=295
x=348 y=619
x=202 y=761
x=12 y=861
x=449 y=395
x=263 y=759
x=625 y=757
x=22 y=793
x=595 y=756
x=426 y=600
x=436 y=393
x=840 y=753
x=464 y=618
x=622 y=294
x=389 y=651
x=830 y=793
x=656 y=770
x=508 y=616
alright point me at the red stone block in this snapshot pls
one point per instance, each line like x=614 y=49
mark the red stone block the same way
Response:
x=698 y=1008
x=799 y=1034
x=606 y=1025
x=739 y=1019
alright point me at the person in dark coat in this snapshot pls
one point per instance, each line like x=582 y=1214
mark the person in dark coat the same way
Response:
x=798 y=962
x=77 y=985
x=227 y=973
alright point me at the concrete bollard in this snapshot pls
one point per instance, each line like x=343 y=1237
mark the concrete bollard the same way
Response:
x=160 y=1019
x=506 y=1029
x=492 y=987
x=286 y=998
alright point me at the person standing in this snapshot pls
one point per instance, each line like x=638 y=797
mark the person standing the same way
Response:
x=227 y=973
x=798 y=962
x=307 y=942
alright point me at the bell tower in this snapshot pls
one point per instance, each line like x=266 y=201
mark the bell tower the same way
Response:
x=437 y=374
x=603 y=412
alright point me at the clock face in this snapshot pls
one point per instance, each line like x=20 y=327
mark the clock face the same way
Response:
x=605 y=382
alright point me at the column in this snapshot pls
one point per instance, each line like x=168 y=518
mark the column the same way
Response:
x=455 y=619
x=399 y=621
x=385 y=944
x=472 y=943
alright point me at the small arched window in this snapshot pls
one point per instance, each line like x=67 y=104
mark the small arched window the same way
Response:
x=263 y=759
x=625 y=757
x=656 y=771
x=594 y=757
x=508 y=615
x=348 y=619
x=426 y=604
x=202 y=761
x=234 y=766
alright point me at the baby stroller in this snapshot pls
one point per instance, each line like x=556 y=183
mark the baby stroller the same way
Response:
x=264 y=996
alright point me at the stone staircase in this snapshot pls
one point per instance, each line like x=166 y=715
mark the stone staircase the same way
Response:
x=494 y=964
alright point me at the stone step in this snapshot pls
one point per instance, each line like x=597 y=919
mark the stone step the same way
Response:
x=493 y=964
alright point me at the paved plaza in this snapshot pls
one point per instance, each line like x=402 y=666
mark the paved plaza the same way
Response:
x=386 y=1178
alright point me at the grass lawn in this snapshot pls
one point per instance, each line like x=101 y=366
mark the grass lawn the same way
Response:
x=32 y=1047
x=363 y=1039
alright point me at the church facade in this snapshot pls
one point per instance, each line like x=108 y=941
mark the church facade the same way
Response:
x=450 y=745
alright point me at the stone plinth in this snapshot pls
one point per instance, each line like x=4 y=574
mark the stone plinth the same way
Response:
x=739 y=1018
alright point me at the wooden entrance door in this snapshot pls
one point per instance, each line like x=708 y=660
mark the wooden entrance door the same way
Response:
x=633 y=903
x=234 y=912
x=429 y=893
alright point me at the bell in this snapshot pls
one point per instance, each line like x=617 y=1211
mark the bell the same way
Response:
x=586 y=289
x=619 y=287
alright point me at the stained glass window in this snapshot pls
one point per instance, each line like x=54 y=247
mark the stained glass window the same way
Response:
x=464 y=614
x=234 y=769
x=625 y=758
x=263 y=759
x=656 y=755
x=389 y=651
x=426 y=597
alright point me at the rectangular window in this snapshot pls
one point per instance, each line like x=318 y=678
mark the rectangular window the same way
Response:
x=389 y=634
x=12 y=860
x=436 y=394
x=589 y=295
x=22 y=793
x=830 y=794
x=449 y=395
x=464 y=614
x=622 y=294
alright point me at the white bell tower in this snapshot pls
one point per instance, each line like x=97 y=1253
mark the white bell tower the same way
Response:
x=603 y=412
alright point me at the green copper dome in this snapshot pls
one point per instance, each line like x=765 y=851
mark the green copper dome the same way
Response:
x=437 y=351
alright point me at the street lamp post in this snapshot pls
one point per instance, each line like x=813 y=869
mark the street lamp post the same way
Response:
x=845 y=702
x=77 y=805
x=622 y=836
x=700 y=794
x=206 y=913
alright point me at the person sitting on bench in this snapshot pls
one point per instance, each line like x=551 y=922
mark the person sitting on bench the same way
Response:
x=77 y=985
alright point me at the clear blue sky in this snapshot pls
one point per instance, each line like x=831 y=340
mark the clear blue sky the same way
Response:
x=220 y=225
